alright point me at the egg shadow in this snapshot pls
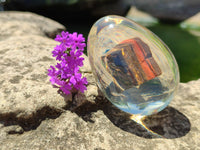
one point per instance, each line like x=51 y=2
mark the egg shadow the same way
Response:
x=169 y=123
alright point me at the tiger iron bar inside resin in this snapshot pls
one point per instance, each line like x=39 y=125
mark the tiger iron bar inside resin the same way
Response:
x=131 y=63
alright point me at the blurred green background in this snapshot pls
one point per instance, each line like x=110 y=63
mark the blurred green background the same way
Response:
x=185 y=47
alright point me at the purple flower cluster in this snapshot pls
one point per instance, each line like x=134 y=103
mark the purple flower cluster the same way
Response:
x=66 y=74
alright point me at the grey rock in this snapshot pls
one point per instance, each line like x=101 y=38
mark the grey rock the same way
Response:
x=33 y=115
x=26 y=23
x=26 y=95
x=141 y=17
x=76 y=8
x=25 y=90
x=192 y=24
x=176 y=10
x=117 y=7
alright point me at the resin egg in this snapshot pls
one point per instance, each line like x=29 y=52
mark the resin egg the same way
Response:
x=133 y=68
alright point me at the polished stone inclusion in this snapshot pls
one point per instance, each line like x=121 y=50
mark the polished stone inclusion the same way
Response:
x=134 y=69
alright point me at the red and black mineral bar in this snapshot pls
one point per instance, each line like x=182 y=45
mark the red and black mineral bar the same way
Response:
x=131 y=63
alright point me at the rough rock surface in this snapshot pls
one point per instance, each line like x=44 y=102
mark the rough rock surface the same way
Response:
x=14 y=23
x=34 y=115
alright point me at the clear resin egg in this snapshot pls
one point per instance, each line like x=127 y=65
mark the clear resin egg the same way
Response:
x=133 y=68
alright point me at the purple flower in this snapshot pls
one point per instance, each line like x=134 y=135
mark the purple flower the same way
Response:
x=63 y=38
x=66 y=74
x=59 y=51
x=78 y=40
x=66 y=88
x=76 y=59
x=80 y=84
